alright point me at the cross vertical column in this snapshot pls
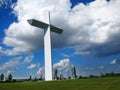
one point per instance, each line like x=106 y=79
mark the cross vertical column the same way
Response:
x=47 y=43
x=47 y=54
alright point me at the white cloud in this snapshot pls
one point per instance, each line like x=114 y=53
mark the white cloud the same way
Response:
x=115 y=61
x=5 y=2
x=86 y=27
x=41 y=71
x=65 y=55
x=32 y=66
x=10 y=65
x=1 y=50
x=9 y=72
x=89 y=68
x=2 y=2
x=28 y=59
x=63 y=64
x=101 y=67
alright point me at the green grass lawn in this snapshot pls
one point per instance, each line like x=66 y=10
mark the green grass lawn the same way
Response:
x=107 y=83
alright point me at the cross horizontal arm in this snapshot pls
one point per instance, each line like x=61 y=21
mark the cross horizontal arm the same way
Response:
x=37 y=23
x=55 y=29
x=43 y=25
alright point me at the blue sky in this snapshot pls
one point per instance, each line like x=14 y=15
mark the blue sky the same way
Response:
x=90 y=40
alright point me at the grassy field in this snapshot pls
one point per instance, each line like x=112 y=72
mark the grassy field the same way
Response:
x=108 y=83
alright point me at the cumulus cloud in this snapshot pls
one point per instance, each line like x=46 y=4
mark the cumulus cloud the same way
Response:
x=1 y=50
x=32 y=66
x=10 y=65
x=89 y=68
x=9 y=72
x=63 y=64
x=28 y=59
x=89 y=29
x=41 y=71
x=100 y=67
x=2 y=2
x=5 y=3
x=27 y=43
x=115 y=61
x=65 y=55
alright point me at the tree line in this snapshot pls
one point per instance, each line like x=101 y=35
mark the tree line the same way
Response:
x=8 y=78
x=57 y=76
x=60 y=76
x=111 y=74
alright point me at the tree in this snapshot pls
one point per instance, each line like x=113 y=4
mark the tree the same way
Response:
x=68 y=72
x=55 y=74
x=74 y=72
x=80 y=77
x=30 y=78
x=10 y=77
x=2 y=77
x=61 y=76
x=40 y=77
x=35 y=79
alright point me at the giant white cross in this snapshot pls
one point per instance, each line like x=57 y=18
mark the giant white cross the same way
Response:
x=47 y=43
